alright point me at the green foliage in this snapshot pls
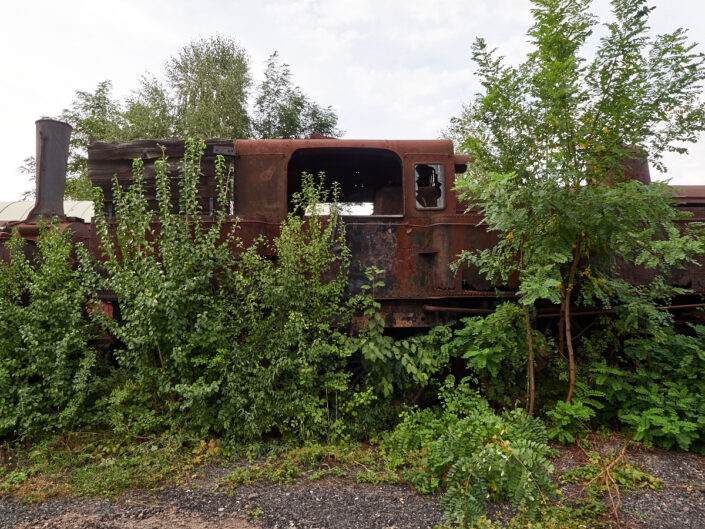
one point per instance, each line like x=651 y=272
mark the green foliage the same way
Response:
x=165 y=280
x=98 y=465
x=397 y=367
x=473 y=454
x=550 y=140
x=49 y=374
x=207 y=85
x=402 y=366
x=214 y=336
x=284 y=111
x=224 y=346
x=657 y=391
x=204 y=91
x=558 y=116
x=494 y=347
x=283 y=346
x=570 y=420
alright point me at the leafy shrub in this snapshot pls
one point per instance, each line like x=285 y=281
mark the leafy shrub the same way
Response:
x=47 y=367
x=165 y=278
x=658 y=391
x=404 y=365
x=286 y=354
x=494 y=347
x=474 y=454
x=221 y=342
x=570 y=419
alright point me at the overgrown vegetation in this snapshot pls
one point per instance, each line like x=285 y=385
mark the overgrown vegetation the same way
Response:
x=100 y=465
x=474 y=455
x=246 y=341
x=551 y=140
x=50 y=375
x=657 y=390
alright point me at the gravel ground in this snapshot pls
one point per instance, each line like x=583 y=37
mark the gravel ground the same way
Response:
x=331 y=503
x=344 y=504
x=679 y=505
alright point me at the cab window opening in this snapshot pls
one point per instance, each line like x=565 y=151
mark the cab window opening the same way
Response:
x=370 y=179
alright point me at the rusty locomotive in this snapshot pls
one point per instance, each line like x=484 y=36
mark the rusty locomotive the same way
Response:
x=402 y=213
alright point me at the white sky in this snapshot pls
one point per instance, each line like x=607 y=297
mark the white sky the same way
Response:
x=391 y=69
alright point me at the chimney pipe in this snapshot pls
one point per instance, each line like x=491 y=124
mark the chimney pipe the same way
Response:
x=52 y=158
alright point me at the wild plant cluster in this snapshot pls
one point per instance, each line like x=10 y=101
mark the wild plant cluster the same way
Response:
x=473 y=454
x=212 y=337
x=249 y=342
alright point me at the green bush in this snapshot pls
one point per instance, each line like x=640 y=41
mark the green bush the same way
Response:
x=286 y=353
x=658 y=391
x=165 y=277
x=214 y=336
x=495 y=350
x=473 y=454
x=399 y=368
x=48 y=370
x=571 y=420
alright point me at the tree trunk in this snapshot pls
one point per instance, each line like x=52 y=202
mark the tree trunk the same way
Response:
x=566 y=316
x=561 y=330
x=531 y=390
x=529 y=363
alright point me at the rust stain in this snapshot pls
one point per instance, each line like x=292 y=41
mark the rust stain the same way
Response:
x=412 y=243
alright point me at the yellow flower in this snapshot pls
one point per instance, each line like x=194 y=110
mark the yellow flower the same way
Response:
x=510 y=234
x=605 y=130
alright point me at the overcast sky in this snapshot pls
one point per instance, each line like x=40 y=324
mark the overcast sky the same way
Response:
x=390 y=69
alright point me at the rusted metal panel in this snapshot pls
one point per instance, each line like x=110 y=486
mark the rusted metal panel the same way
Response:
x=690 y=194
x=413 y=244
x=287 y=147
x=111 y=162
x=260 y=187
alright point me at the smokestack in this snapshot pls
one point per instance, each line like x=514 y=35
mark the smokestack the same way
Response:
x=52 y=158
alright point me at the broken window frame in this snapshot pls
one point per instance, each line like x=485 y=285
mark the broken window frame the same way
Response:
x=439 y=177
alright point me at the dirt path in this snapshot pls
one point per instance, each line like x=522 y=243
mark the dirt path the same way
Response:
x=343 y=504
x=332 y=504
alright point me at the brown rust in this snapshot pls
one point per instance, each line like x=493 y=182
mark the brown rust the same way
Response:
x=412 y=225
x=573 y=311
x=413 y=244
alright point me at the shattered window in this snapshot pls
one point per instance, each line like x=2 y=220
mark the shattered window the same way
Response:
x=430 y=191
